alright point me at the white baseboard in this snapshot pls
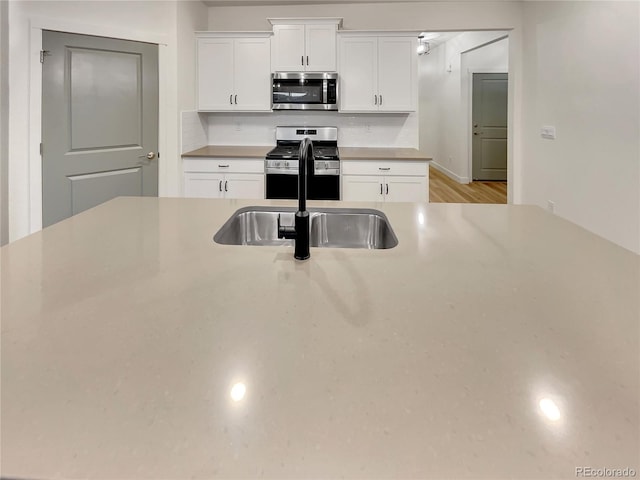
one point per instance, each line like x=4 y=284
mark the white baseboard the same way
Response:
x=449 y=173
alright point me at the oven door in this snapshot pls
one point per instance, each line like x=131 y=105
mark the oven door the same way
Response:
x=319 y=187
x=323 y=187
x=281 y=186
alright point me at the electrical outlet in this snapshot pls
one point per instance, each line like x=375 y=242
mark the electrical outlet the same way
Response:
x=548 y=132
x=551 y=206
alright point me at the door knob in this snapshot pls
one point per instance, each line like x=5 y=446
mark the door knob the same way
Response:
x=149 y=156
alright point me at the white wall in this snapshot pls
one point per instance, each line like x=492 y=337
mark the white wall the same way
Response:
x=191 y=16
x=428 y=15
x=362 y=130
x=162 y=22
x=444 y=80
x=4 y=123
x=582 y=75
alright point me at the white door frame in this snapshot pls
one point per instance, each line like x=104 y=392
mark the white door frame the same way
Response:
x=469 y=123
x=37 y=25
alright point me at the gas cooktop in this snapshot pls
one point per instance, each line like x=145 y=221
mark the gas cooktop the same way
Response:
x=325 y=143
x=320 y=152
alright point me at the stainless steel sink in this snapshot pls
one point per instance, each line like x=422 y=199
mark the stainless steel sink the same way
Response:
x=330 y=227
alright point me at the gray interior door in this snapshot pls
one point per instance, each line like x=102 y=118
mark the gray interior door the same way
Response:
x=99 y=122
x=489 y=116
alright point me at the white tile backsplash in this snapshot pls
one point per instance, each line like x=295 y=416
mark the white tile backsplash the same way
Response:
x=194 y=128
x=354 y=130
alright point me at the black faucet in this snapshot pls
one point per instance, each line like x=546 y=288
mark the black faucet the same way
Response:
x=300 y=231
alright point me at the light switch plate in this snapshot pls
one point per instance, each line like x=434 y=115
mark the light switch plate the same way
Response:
x=548 y=132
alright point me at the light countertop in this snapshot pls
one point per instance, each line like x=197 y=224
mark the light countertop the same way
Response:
x=346 y=153
x=494 y=341
x=230 y=151
x=373 y=153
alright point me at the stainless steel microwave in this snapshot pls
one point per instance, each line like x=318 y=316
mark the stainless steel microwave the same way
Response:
x=305 y=91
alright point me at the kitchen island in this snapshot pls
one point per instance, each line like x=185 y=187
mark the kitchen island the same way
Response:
x=494 y=341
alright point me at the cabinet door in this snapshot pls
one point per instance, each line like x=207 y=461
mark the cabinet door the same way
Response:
x=358 y=74
x=252 y=74
x=244 y=185
x=215 y=73
x=405 y=189
x=288 y=48
x=203 y=185
x=362 y=188
x=397 y=74
x=320 y=48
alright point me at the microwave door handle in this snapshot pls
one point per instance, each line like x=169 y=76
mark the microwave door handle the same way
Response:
x=325 y=91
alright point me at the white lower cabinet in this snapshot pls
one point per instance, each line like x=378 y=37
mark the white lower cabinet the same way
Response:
x=385 y=181
x=223 y=178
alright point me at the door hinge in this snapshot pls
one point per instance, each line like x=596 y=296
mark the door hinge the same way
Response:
x=44 y=53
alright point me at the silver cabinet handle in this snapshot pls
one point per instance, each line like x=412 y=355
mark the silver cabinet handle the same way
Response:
x=223 y=166
x=307 y=60
x=236 y=99
x=380 y=99
x=225 y=186
x=380 y=189
x=230 y=99
x=385 y=169
x=148 y=156
x=302 y=60
x=387 y=189
x=375 y=99
x=220 y=186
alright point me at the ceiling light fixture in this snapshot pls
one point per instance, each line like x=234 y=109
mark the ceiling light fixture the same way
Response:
x=423 y=47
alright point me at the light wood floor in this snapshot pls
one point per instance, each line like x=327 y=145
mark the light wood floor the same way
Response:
x=443 y=189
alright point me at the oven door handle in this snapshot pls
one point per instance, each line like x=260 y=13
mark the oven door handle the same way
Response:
x=280 y=171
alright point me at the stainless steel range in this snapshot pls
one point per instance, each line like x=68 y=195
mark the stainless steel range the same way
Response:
x=281 y=164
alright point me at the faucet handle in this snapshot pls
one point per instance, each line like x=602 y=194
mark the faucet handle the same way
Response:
x=288 y=231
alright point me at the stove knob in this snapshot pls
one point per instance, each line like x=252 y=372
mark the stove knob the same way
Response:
x=286 y=164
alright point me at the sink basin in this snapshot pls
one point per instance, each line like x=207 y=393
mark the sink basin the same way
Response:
x=330 y=227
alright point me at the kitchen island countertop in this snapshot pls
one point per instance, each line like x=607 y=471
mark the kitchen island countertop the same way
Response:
x=494 y=341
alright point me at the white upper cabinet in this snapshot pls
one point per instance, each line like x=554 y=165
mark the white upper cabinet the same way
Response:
x=358 y=74
x=252 y=74
x=215 y=73
x=234 y=72
x=288 y=48
x=320 y=48
x=304 y=45
x=378 y=73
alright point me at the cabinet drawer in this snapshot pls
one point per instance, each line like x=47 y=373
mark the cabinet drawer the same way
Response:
x=223 y=165
x=384 y=167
